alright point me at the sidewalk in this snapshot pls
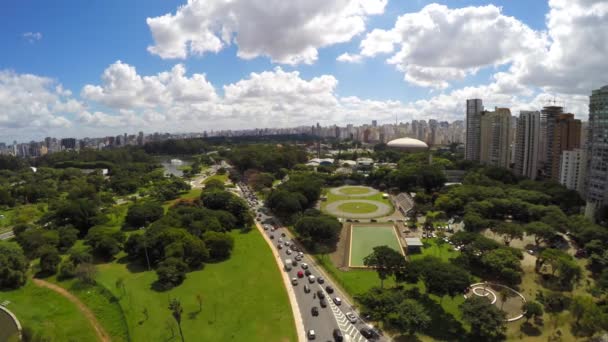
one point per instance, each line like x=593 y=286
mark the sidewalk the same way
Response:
x=295 y=308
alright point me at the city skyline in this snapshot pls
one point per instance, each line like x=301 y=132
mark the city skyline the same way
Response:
x=71 y=71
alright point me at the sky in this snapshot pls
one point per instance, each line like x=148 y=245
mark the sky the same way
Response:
x=72 y=68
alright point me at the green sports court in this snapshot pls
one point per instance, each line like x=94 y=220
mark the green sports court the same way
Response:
x=363 y=239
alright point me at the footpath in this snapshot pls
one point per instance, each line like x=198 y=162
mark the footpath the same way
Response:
x=295 y=308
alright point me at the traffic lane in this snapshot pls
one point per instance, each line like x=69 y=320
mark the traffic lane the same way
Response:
x=317 y=271
x=323 y=324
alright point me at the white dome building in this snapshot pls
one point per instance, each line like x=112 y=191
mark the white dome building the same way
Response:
x=408 y=144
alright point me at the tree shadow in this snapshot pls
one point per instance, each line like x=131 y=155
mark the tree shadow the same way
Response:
x=529 y=329
x=407 y=338
x=158 y=287
x=443 y=325
x=136 y=267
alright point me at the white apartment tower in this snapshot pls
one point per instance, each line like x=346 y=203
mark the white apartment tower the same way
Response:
x=527 y=144
x=572 y=171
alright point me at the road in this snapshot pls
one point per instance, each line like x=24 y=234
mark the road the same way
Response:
x=329 y=318
x=7 y=235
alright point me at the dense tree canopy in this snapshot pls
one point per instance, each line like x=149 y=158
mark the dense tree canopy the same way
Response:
x=13 y=266
x=486 y=320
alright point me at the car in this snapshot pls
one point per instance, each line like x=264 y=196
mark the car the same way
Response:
x=279 y=246
x=294 y=281
x=304 y=265
x=314 y=311
x=320 y=294
x=323 y=302
x=265 y=226
x=338 y=337
x=351 y=317
x=373 y=220
x=337 y=301
x=300 y=274
x=366 y=332
x=311 y=279
x=288 y=252
x=271 y=237
x=530 y=251
x=287 y=243
x=329 y=289
x=307 y=272
x=298 y=258
x=306 y=288
x=320 y=280
x=311 y=334
x=280 y=240
x=283 y=234
x=294 y=247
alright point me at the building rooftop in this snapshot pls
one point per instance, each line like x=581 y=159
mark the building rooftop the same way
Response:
x=408 y=143
x=413 y=242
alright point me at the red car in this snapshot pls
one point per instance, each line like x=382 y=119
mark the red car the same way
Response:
x=300 y=274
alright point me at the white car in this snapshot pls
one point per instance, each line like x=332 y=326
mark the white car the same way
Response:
x=311 y=334
x=337 y=300
x=351 y=317
x=304 y=265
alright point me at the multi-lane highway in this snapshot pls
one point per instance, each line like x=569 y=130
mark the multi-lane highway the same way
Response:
x=331 y=317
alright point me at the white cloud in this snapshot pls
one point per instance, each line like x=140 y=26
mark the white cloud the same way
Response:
x=32 y=36
x=439 y=44
x=30 y=102
x=289 y=32
x=348 y=58
x=123 y=88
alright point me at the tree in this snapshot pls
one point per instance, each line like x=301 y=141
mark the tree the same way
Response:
x=540 y=230
x=441 y=278
x=409 y=316
x=486 y=320
x=68 y=236
x=82 y=214
x=318 y=232
x=86 y=273
x=67 y=269
x=220 y=245
x=171 y=272
x=105 y=242
x=214 y=184
x=509 y=231
x=49 y=260
x=386 y=261
x=142 y=214
x=13 y=266
x=176 y=311
x=532 y=309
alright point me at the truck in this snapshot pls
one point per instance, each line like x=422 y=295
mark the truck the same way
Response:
x=288 y=265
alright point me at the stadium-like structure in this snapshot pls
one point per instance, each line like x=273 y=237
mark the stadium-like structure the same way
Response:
x=408 y=144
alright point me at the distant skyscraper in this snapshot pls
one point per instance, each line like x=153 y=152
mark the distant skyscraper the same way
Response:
x=573 y=166
x=527 y=144
x=68 y=143
x=548 y=118
x=597 y=151
x=495 y=137
x=472 y=144
x=566 y=137
x=374 y=123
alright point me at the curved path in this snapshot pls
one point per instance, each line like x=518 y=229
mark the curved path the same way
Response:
x=383 y=209
x=295 y=308
x=338 y=191
x=99 y=330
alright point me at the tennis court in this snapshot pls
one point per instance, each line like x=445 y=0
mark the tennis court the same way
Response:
x=365 y=238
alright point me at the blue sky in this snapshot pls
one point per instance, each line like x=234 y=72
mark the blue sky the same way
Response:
x=72 y=43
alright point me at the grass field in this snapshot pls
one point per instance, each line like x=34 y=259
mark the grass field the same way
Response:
x=223 y=178
x=48 y=314
x=432 y=247
x=358 y=208
x=243 y=298
x=365 y=238
x=331 y=197
x=354 y=190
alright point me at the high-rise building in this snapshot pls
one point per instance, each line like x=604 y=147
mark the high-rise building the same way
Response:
x=548 y=118
x=597 y=151
x=566 y=137
x=573 y=166
x=374 y=123
x=527 y=144
x=473 y=132
x=68 y=143
x=495 y=137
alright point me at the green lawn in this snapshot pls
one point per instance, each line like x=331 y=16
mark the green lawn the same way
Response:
x=223 y=178
x=48 y=314
x=243 y=298
x=358 y=207
x=21 y=214
x=331 y=197
x=365 y=238
x=354 y=190
x=432 y=247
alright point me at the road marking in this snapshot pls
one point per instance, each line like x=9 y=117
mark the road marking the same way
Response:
x=343 y=323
